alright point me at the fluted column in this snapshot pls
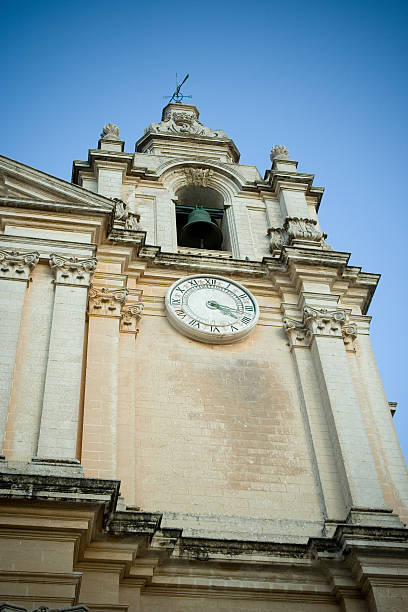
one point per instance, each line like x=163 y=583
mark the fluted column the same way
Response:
x=350 y=444
x=62 y=391
x=15 y=269
x=99 y=438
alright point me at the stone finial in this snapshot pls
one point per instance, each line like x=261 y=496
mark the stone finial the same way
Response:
x=110 y=132
x=279 y=152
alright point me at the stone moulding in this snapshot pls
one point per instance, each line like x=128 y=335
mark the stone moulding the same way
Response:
x=17 y=265
x=320 y=322
x=8 y=607
x=72 y=271
x=106 y=302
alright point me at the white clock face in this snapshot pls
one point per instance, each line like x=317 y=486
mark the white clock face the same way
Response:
x=211 y=308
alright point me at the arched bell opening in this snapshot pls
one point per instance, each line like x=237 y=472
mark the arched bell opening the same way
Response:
x=200 y=218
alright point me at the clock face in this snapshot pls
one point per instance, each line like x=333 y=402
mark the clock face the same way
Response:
x=211 y=308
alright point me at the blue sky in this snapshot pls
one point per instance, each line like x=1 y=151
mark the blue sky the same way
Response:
x=327 y=79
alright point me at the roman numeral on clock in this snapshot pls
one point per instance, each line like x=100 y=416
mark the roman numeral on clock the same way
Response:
x=181 y=313
x=194 y=323
x=246 y=320
x=215 y=329
x=176 y=302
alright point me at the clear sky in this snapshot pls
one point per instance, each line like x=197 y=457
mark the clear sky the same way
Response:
x=326 y=79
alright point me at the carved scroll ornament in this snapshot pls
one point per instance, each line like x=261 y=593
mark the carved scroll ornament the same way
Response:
x=17 y=265
x=296 y=228
x=71 y=270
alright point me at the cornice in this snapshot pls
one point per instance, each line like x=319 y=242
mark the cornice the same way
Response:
x=95 y=155
x=76 y=195
x=35 y=487
x=202 y=263
x=58 y=207
x=195 y=139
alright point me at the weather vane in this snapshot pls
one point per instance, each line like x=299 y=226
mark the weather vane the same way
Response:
x=177 y=96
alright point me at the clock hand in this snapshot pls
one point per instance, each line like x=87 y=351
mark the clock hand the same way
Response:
x=224 y=309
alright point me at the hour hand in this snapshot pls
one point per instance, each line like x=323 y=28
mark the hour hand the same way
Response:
x=224 y=309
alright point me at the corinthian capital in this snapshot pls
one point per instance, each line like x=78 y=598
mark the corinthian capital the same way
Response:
x=349 y=331
x=297 y=333
x=324 y=322
x=17 y=265
x=72 y=271
x=129 y=317
x=106 y=302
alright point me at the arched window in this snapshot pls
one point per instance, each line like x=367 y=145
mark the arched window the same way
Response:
x=200 y=218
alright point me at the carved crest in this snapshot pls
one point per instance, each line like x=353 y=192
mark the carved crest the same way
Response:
x=198 y=176
x=182 y=122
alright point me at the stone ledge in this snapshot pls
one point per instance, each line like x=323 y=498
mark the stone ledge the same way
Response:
x=29 y=487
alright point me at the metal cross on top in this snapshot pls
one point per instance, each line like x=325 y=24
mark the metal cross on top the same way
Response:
x=177 y=95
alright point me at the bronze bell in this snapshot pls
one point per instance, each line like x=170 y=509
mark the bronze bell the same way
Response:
x=200 y=232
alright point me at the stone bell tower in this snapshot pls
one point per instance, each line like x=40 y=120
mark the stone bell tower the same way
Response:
x=191 y=414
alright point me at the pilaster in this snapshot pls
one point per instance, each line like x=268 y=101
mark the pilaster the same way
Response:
x=108 y=316
x=61 y=404
x=127 y=400
x=15 y=269
x=315 y=420
x=322 y=329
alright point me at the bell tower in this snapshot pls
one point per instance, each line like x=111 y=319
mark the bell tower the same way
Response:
x=207 y=422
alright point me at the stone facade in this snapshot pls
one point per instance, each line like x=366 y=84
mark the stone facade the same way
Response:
x=145 y=471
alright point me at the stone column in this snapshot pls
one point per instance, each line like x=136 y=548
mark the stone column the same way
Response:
x=99 y=438
x=350 y=444
x=15 y=269
x=62 y=390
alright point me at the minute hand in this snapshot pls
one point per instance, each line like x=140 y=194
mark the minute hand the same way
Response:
x=224 y=309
